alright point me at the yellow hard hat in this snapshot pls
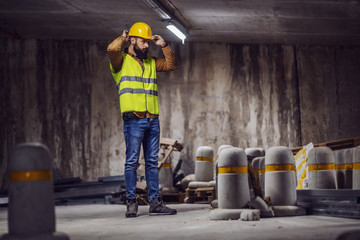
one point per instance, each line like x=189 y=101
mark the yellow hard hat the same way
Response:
x=140 y=29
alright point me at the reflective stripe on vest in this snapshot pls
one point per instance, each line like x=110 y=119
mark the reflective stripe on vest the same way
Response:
x=137 y=89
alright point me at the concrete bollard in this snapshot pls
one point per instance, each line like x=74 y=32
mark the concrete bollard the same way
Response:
x=255 y=152
x=217 y=159
x=204 y=164
x=256 y=164
x=280 y=177
x=321 y=168
x=356 y=168
x=233 y=179
x=31 y=213
x=261 y=172
x=165 y=175
x=216 y=165
x=214 y=203
x=343 y=166
x=348 y=167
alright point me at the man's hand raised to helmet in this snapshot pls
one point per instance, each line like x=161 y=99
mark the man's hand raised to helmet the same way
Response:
x=125 y=34
x=158 y=40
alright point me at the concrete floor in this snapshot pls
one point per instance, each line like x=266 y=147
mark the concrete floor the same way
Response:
x=97 y=221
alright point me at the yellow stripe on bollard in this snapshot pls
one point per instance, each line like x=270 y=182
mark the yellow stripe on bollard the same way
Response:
x=279 y=167
x=223 y=170
x=166 y=165
x=356 y=166
x=319 y=167
x=25 y=176
x=206 y=159
x=261 y=171
x=344 y=166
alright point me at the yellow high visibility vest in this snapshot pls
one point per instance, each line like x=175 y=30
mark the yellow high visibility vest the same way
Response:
x=137 y=89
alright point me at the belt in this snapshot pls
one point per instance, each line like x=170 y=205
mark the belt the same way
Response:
x=130 y=115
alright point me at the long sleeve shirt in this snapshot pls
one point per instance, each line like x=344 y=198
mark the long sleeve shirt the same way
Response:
x=114 y=51
x=115 y=47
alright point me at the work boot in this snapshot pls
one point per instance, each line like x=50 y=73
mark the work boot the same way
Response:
x=157 y=207
x=132 y=208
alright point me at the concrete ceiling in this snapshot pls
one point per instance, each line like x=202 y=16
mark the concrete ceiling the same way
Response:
x=243 y=21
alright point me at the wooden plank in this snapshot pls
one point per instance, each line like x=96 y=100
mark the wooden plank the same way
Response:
x=167 y=141
x=165 y=158
x=200 y=195
x=173 y=198
x=335 y=145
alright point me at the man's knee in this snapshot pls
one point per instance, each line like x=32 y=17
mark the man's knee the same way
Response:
x=151 y=163
x=132 y=166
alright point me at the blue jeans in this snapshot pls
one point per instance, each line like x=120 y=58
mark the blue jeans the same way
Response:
x=145 y=131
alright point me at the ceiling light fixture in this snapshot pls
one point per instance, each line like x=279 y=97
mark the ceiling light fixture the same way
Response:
x=166 y=16
x=177 y=32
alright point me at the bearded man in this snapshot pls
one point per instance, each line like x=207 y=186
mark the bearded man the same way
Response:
x=134 y=73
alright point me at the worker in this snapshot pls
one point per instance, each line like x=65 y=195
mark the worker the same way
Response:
x=134 y=72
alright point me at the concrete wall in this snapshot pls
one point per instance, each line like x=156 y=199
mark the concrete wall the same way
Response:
x=61 y=93
x=329 y=80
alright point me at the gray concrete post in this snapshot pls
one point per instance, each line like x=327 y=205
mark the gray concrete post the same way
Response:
x=233 y=179
x=204 y=164
x=255 y=152
x=262 y=172
x=347 y=168
x=216 y=166
x=321 y=168
x=280 y=177
x=356 y=168
x=31 y=213
x=344 y=168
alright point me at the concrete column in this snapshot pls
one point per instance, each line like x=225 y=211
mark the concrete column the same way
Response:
x=31 y=213
x=356 y=168
x=347 y=168
x=222 y=147
x=204 y=164
x=233 y=179
x=255 y=152
x=255 y=164
x=217 y=159
x=262 y=172
x=280 y=178
x=343 y=166
x=321 y=168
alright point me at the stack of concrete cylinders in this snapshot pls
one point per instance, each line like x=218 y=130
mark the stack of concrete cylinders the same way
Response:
x=204 y=164
x=280 y=177
x=343 y=166
x=31 y=211
x=165 y=175
x=356 y=168
x=233 y=184
x=321 y=168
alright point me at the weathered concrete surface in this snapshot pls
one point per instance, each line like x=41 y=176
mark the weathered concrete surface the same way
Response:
x=95 y=222
x=62 y=94
x=231 y=94
x=329 y=79
x=251 y=22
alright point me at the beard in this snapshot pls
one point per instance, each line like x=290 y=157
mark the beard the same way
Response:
x=142 y=54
